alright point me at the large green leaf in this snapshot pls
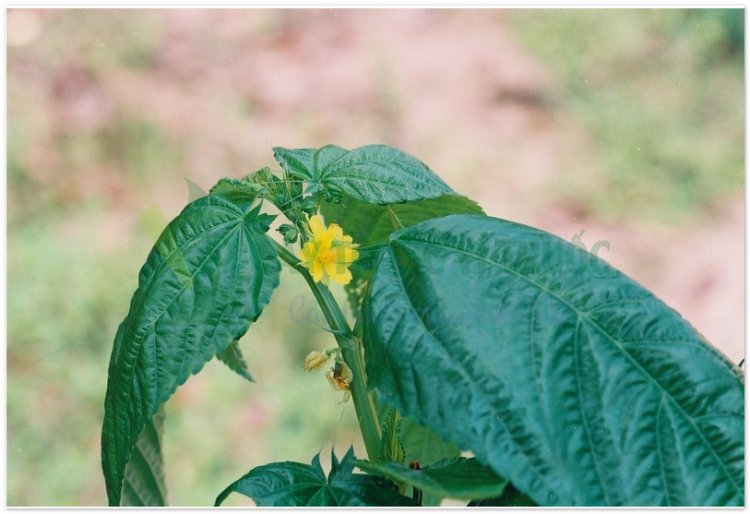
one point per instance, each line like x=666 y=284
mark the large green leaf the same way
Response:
x=370 y=224
x=207 y=278
x=145 y=483
x=555 y=369
x=292 y=484
x=381 y=174
x=450 y=478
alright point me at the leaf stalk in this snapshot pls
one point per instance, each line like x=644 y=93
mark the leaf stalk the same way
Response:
x=351 y=351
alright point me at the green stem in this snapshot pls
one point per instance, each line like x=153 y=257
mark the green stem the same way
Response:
x=364 y=403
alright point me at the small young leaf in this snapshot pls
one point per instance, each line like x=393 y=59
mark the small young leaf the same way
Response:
x=239 y=191
x=298 y=163
x=289 y=232
x=309 y=206
x=292 y=484
x=282 y=192
x=233 y=358
x=381 y=174
x=423 y=445
x=450 y=478
x=390 y=448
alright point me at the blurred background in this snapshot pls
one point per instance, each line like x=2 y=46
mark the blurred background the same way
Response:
x=616 y=126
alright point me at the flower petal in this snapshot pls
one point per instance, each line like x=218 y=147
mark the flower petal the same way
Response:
x=317 y=226
x=307 y=254
x=338 y=272
x=347 y=255
x=316 y=270
x=323 y=245
x=335 y=231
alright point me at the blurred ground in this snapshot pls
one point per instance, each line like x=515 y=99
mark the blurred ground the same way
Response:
x=627 y=125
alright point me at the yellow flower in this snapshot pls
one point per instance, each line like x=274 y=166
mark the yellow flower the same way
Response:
x=314 y=361
x=329 y=252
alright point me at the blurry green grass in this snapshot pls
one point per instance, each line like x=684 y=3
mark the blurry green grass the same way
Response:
x=661 y=94
x=63 y=301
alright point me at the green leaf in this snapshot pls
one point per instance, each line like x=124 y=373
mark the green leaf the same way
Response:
x=390 y=448
x=144 y=482
x=233 y=358
x=420 y=444
x=239 y=191
x=450 y=478
x=306 y=163
x=370 y=225
x=298 y=163
x=423 y=445
x=208 y=277
x=292 y=484
x=555 y=369
x=281 y=192
x=381 y=174
x=511 y=497
x=324 y=156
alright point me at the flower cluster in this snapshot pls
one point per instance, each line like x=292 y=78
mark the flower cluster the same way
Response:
x=328 y=253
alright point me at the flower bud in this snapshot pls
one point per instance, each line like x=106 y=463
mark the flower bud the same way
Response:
x=309 y=206
x=289 y=232
x=314 y=361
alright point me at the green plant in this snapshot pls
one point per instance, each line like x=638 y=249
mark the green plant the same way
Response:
x=569 y=383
